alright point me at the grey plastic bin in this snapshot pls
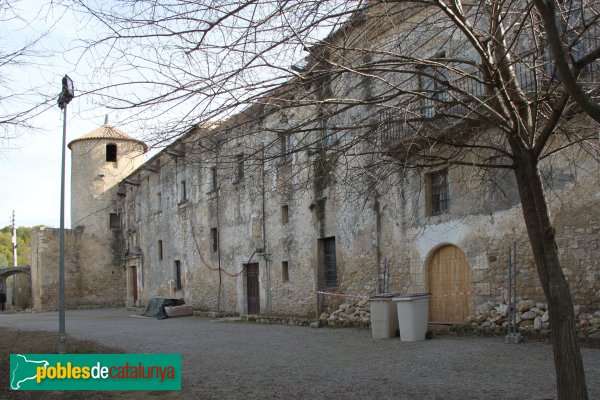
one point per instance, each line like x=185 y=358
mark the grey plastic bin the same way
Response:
x=384 y=316
x=413 y=313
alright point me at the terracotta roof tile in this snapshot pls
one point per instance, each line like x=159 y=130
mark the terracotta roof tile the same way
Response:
x=108 y=132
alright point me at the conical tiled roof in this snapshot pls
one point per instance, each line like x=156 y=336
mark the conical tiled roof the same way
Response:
x=108 y=132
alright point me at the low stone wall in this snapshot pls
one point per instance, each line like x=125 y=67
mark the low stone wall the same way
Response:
x=490 y=318
x=532 y=318
x=214 y=314
x=267 y=319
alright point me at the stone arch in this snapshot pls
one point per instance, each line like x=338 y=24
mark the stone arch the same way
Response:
x=449 y=282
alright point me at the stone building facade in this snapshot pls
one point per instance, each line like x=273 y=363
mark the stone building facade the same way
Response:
x=266 y=212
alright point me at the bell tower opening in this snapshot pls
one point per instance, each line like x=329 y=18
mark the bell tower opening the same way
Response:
x=111 y=152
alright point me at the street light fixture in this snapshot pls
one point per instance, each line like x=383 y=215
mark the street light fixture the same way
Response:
x=66 y=95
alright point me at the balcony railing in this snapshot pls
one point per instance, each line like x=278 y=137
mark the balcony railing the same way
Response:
x=437 y=110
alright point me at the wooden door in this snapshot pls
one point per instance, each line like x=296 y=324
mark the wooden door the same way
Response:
x=253 y=289
x=134 y=285
x=449 y=280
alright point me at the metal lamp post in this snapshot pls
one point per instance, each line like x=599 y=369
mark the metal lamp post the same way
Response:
x=66 y=95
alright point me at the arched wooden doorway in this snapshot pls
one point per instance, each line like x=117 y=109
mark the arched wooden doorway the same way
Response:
x=449 y=281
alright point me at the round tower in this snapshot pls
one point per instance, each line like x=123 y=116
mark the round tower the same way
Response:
x=100 y=159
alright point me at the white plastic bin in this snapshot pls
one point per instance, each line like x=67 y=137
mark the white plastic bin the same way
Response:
x=413 y=313
x=384 y=316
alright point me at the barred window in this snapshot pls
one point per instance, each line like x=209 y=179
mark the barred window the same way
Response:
x=439 y=192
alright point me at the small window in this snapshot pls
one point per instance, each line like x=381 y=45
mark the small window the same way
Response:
x=111 y=152
x=285 y=214
x=439 y=192
x=115 y=221
x=285 y=273
x=239 y=168
x=160 y=250
x=329 y=138
x=214 y=239
x=286 y=147
x=213 y=178
x=182 y=191
x=178 y=285
x=329 y=263
x=159 y=201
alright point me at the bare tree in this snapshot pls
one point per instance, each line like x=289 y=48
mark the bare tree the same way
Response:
x=395 y=86
x=19 y=104
x=564 y=24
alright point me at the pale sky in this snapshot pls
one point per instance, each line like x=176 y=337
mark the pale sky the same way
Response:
x=30 y=165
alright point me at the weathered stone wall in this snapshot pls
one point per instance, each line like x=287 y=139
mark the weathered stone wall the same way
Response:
x=45 y=256
x=391 y=223
x=373 y=219
x=91 y=279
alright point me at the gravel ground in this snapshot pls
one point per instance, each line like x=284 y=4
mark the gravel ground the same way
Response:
x=234 y=360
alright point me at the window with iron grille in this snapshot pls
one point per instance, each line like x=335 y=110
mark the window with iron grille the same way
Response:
x=439 y=192
x=330 y=266
x=286 y=147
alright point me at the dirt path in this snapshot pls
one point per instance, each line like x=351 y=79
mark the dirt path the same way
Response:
x=232 y=360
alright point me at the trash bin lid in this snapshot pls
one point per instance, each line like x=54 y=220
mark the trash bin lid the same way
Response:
x=412 y=296
x=384 y=296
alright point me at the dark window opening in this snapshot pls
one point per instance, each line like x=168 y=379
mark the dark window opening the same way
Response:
x=182 y=191
x=327 y=262
x=286 y=147
x=214 y=239
x=111 y=152
x=160 y=250
x=178 y=285
x=285 y=214
x=213 y=178
x=285 y=273
x=439 y=192
x=239 y=167
x=115 y=221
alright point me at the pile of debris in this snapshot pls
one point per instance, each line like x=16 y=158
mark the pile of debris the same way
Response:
x=355 y=314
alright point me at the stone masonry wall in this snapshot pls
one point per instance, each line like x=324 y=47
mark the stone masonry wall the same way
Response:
x=91 y=279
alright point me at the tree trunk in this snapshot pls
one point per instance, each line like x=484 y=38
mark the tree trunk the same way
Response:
x=570 y=376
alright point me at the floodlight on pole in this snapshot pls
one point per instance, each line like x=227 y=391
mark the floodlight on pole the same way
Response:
x=66 y=95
